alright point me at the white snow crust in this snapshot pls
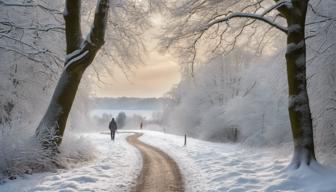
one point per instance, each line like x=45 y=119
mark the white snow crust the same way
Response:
x=205 y=166
x=219 y=167
x=115 y=169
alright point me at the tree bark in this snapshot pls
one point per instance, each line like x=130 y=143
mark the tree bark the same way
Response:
x=299 y=110
x=80 y=54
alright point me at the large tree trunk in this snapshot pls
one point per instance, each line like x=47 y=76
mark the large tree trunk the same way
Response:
x=299 y=110
x=80 y=54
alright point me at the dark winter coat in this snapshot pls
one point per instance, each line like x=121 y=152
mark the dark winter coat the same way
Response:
x=113 y=125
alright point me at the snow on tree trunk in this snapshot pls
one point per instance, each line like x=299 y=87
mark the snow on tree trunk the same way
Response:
x=299 y=110
x=80 y=54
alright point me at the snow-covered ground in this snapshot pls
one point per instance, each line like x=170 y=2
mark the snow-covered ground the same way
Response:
x=206 y=167
x=115 y=169
x=218 y=167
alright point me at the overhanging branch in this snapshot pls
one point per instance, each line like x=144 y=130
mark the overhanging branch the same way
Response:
x=246 y=15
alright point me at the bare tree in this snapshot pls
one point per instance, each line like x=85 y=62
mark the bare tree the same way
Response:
x=80 y=54
x=200 y=19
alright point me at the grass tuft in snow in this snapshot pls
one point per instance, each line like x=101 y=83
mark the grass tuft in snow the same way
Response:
x=21 y=154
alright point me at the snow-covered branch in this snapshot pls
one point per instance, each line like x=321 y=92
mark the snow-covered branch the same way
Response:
x=27 y=55
x=190 y=18
x=44 y=28
x=246 y=15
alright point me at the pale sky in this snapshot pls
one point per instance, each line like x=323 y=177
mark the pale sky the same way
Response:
x=155 y=77
x=152 y=79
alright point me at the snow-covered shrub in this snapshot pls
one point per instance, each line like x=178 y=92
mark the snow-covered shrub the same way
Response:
x=75 y=149
x=21 y=153
x=233 y=98
x=260 y=112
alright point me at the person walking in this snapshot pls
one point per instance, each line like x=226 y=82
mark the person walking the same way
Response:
x=113 y=128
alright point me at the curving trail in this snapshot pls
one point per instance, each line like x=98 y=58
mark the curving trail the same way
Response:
x=159 y=173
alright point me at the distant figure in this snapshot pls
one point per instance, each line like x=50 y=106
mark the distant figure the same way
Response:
x=113 y=128
x=141 y=125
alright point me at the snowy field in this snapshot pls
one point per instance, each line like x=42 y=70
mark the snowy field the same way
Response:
x=206 y=166
x=115 y=169
x=216 y=167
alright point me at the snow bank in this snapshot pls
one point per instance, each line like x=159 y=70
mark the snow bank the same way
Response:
x=206 y=166
x=115 y=169
x=21 y=153
x=216 y=167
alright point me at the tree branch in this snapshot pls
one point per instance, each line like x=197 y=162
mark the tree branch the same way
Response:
x=94 y=40
x=97 y=34
x=72 y=19
x=246 y=15
x=43 y=28
x=27 y=55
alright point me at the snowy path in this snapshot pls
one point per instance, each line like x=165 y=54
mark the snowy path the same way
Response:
x=160 y=172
